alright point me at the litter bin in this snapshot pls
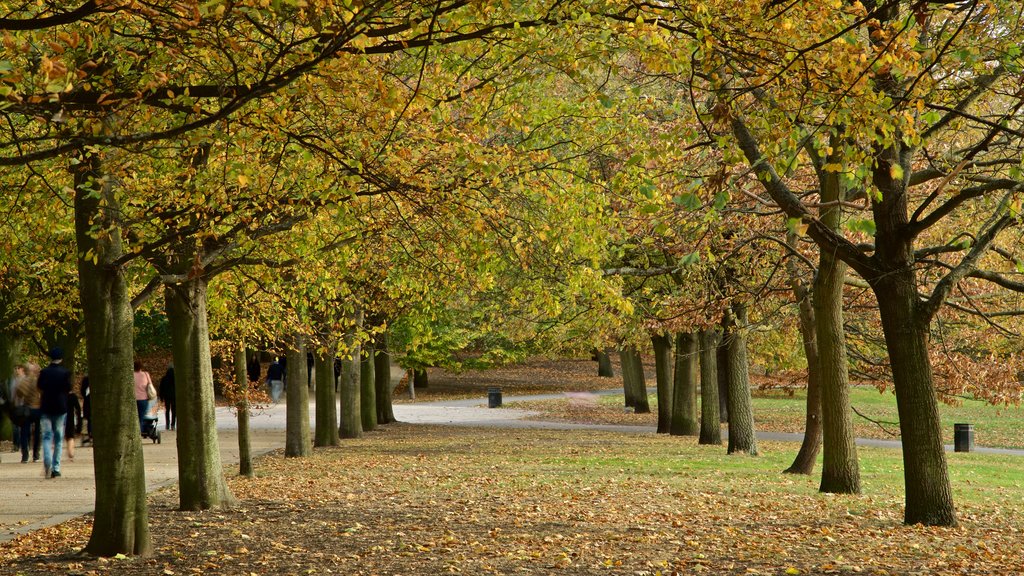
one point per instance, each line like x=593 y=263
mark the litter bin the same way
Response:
x=493 y=397
x=963 y=437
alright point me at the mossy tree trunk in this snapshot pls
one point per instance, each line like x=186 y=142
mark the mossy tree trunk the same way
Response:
x=200 y=475
x=367 y=390
x=351 y=420
x=245 y=467
x=741 y=414
x=325 y=431
x=684 y=397
x=662 y=344
x=382 y=381
x=840 y=472
x=710 y=425
x=121 y=519
x=297 y=442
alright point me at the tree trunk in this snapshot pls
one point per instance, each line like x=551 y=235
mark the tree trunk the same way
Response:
x=297 y=443
x=684 y=397
x=326 y=427
x=662 y=344
x=367 y=391
x=628 y=377
x=639 y=380
x=722 y=361
x=351 y=421
x=245 y=467
x=382 y=381
x=710 y=425
x=929 y=498
x=741 y=415
x=200 y=476
x=808 y=454
x=68 y=336
x=121 y=520
x=420 y=378
x=604 y=363
x=840 y=472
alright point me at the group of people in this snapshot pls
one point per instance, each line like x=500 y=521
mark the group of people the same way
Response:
x=48 y=415
x=46 y=411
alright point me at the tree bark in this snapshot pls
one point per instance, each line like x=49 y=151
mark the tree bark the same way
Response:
x=420 y=378
x=840 y=472
x=807 y=457
x=297 y=442
x=684 y=397
x=245 y=467
x=382 y=381
x=367 y=390
x=351 y=421
x=662 y=344
x=643 y=406
x=604 y=364
x=929 y=497
x=121 y=519
x=722 y=361
x=200 y=475
x=741 y=415
x=326 y=427
x=710 y=424
x=628 y=377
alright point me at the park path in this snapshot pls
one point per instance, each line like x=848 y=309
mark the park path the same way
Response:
x=29 y=502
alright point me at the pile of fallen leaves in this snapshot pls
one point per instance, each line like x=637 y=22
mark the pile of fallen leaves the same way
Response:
x=431 y=500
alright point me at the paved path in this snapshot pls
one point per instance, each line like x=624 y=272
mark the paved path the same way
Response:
x=29 y=502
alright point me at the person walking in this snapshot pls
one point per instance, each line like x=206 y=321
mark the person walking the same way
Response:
x=167 y=395
x=54 y=387
x=275 y=379
x=26 y=407
x=143 y=394
x=72 y=424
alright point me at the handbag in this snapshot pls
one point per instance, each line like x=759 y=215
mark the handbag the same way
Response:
x=150 y=391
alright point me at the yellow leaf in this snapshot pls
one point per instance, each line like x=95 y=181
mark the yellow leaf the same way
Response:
x=243 y=180
x=792 y=571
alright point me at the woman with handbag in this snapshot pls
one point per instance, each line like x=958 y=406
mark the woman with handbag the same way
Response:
x=144 y=391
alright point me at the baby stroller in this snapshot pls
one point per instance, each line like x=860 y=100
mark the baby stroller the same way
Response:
x=149 y=423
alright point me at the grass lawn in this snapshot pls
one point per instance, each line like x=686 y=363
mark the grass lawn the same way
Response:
x=432 y=500
x=995 y=426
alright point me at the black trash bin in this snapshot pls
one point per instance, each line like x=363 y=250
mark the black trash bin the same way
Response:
x=963 y=437
x=493 y=397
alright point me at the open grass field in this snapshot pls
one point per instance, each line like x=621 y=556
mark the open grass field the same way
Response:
x=777 y=411
x=429 y=500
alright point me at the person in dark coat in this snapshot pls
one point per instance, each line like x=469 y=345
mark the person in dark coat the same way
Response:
x=275 y=380
x=253 y=369
x=167 y=394
x=54 y=387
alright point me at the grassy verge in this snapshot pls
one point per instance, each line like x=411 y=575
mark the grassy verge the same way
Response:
x=995 y=426
x=418 y=500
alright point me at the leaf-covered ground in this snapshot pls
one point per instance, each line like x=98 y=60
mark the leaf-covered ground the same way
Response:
x=431 y=500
